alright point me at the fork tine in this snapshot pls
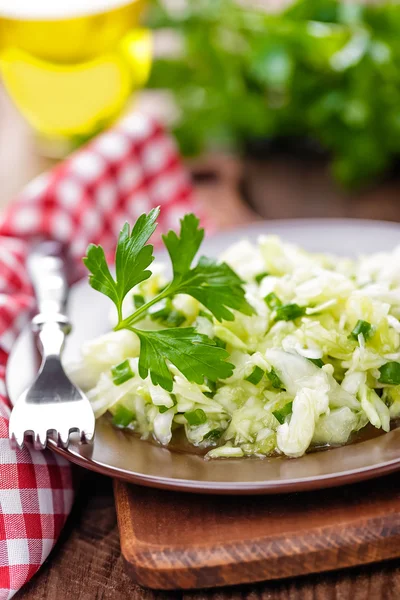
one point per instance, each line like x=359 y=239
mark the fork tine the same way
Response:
x=40 y=439
x=87 y=436
x=52 y=434
x=17 y=439
x=63 y=438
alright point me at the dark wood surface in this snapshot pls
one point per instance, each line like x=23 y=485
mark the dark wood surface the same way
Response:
x=171 y=540
x=86 y=563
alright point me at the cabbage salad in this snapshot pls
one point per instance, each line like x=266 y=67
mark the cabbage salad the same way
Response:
x=312 y=348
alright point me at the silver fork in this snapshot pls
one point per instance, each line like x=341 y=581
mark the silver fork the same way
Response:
x=53 y=406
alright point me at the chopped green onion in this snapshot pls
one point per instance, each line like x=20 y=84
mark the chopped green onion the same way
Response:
x=138 y=300
x=196 y=417
x=212 y=386
x=289 y=312
x=220 y=343
x=213 y=435
x=274 y=379
x=362 y=327
x=123 y=416
x=164 y=409
x=168 y=316
x=272 y=301
x=283 y=412
x=122 y=372
x=317 y=361
x=176 y=318
x=258 y=278
x=206 y=315
x=255 y=376
x=161 y=314
x=390 y=373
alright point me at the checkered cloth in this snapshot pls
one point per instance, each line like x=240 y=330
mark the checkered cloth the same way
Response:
x=118 y=176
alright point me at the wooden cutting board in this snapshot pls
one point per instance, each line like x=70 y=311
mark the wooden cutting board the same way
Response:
x=173 y=540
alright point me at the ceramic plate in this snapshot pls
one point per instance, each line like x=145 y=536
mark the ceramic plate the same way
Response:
x=122 y=455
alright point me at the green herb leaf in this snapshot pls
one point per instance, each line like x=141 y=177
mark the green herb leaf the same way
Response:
x=138 y=300
x=101 y=278
x=362 y=327
x=123 y=416
x=163 y=409
x=272 y=301
x=196 y=417
x=258 y=278
x=192 y=353
x=132 y=258
x=122 y=372
x=215 y=285
x=292 y=84
x=256 y=375
x=282 y=413
x=274 y=379
x=289 y=312
x=390 y=373
x=183 y=248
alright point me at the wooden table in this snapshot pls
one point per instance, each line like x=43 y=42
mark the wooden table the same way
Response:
x=86 y=563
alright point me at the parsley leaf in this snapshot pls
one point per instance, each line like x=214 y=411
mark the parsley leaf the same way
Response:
x=192 y=353
x=132 y=258
x=184 y=248
x=100 y=278
x=215 y=285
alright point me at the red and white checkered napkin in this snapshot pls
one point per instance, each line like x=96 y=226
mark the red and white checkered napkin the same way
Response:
x=118 y=176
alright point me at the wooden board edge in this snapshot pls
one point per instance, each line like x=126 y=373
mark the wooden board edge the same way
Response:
x=153 y=576
x=167 y=568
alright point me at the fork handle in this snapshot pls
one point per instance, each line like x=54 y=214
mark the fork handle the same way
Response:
x=47 y=271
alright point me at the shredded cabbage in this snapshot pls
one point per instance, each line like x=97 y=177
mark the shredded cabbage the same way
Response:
x=309 y=365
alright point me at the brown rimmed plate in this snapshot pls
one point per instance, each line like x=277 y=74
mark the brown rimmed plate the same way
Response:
x=123 y=455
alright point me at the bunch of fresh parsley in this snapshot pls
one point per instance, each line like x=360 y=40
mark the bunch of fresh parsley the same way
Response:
x=215 y=285
x=324 y=70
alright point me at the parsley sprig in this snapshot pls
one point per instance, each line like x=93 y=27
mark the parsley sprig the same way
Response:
x=215 y=285
x=132 y=257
